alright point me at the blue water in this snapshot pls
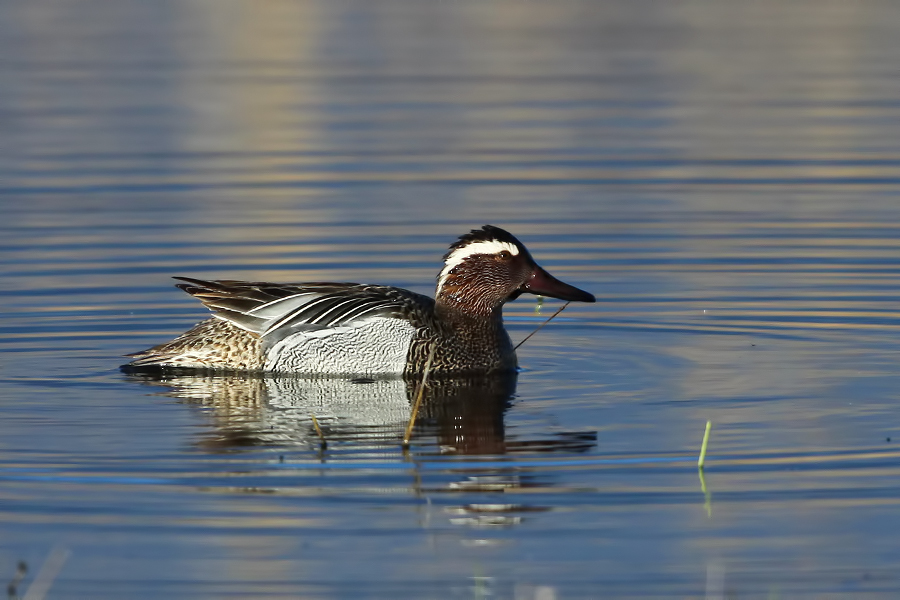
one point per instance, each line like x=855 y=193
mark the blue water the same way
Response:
x=723 y=176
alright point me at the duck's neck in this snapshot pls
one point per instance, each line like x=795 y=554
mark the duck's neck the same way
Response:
x=467 y=318
x=474 y=339
x=473 y=324
x=453 y=305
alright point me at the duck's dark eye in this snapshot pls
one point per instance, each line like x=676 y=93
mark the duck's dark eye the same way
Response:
x=505 y=255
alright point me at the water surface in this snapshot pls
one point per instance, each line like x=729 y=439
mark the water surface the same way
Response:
x=722 y=176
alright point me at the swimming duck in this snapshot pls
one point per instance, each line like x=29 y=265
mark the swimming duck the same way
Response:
x=357 y=329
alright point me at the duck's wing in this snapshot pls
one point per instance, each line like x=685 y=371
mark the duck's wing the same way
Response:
x=273 y=311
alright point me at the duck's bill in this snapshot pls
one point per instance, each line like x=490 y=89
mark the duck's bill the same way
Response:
x=543 y=283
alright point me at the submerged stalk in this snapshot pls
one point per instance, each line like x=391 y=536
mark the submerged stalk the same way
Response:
x=418 y=402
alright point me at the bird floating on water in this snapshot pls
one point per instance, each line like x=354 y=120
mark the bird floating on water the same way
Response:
x=356 y=329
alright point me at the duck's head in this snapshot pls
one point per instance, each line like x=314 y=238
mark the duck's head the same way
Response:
x=487 y=267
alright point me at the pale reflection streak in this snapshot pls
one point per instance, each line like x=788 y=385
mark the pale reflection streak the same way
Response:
x=366 y=419
x=256 y=80
x=464 y=415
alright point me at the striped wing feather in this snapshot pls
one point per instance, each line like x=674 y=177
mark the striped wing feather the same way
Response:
x=274 y=311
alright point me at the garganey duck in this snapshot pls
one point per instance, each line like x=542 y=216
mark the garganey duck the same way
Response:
x=355 y=329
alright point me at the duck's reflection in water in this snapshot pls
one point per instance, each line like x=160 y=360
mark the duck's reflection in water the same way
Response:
x=459 y=415
x=365 y=419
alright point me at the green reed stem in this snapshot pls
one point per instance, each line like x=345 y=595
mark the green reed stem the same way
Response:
x=561 y=308
x=702 y=459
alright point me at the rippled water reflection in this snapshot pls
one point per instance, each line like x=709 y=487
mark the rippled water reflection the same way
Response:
x=721 y=175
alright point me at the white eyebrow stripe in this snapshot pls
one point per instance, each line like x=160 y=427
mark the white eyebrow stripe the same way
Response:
x=460 y=254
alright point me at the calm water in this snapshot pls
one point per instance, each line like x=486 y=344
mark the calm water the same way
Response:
x=724 y=176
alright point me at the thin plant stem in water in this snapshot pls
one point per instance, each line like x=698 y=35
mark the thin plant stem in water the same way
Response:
x=418 y=402
x=707 y=496
x=561 y=308
x=12 y=590
x=702 y=461
x=318 y=430
x=43 y=581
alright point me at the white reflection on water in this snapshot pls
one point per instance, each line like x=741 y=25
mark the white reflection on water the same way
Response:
x=722 y=175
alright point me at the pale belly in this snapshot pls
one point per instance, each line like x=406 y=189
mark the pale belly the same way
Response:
x=375 y=346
